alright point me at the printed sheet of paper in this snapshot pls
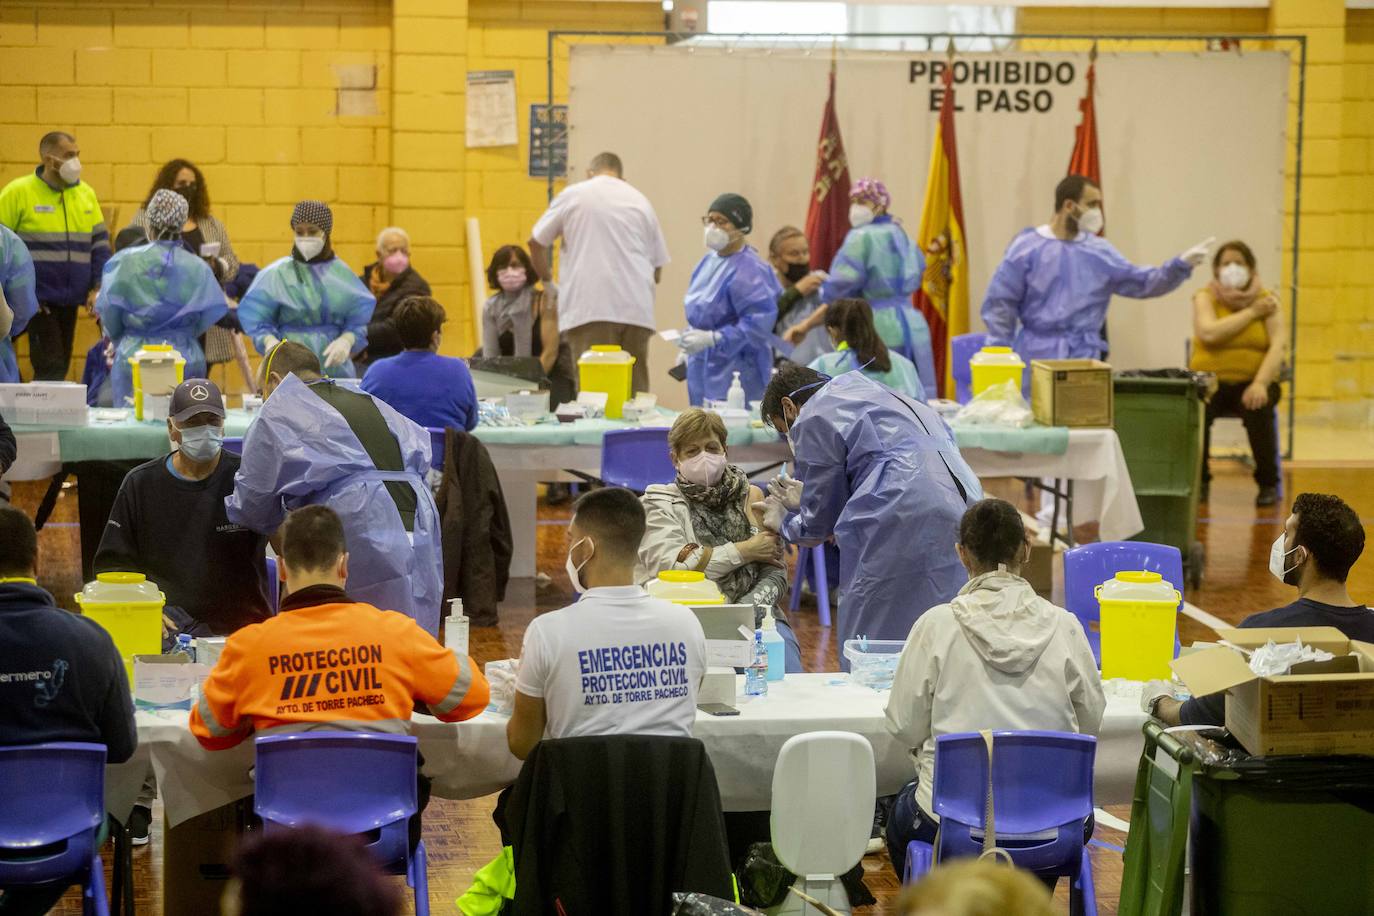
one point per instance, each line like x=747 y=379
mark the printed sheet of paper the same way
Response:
x=491 y=108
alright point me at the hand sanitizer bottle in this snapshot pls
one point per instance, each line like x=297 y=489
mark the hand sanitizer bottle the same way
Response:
x=734 y=398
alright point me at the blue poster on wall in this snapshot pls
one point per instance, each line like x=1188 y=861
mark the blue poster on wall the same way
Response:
x=548 y=141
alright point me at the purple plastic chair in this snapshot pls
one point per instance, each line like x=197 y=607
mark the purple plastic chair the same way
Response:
x=1042 y=789
x=233 y=445
x=51 y=810
x=353 y=783
x=1089 y=566
x=273 y=585
x=438 y=439
x=820 y=582
x=636 y=458
x=961 y=350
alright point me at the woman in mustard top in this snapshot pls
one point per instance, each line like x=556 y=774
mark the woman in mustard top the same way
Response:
x=1239 y=335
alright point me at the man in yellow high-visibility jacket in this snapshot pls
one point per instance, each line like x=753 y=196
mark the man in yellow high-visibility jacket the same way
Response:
x=58 y=217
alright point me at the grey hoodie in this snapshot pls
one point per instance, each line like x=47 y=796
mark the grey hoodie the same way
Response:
x=999 y=657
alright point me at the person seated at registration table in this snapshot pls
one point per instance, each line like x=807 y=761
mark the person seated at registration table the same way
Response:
x=998 y=656
x=364 y=668
x=1321 y=540
x=61 y=677
x=704 y=521
x=434 y=391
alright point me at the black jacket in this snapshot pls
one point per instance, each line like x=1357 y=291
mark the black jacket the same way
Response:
x=9 y=447
x=612 y=826
x=382 y=338
x=474 y=527
x=61 y=678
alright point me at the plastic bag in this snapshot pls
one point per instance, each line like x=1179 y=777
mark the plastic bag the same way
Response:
x=763 y=880
x=1273 y=658
x=501 y=680
x=695 y=904
x=999 y=405
x=1204 y=382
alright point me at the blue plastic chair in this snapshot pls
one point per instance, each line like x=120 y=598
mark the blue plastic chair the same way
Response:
x=437 y=443
x=51 y=811
x=820 y=582
x=636 y=458
x=233 y=445
x=1042 y=790
x=1089 y=566
x=961 y=350
x=353 y=783
x=273 y=584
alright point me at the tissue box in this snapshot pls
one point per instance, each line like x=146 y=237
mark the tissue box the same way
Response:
x=718 y=686
x=1317 y=708
x=45 y=403
x=166 y=681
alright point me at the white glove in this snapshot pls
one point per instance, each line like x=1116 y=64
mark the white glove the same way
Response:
x=268 y=343
x=1152 y=691
x=771 y=513
x=787 y=491
x=1198 y=253
x=339 y=349
x=693 y=341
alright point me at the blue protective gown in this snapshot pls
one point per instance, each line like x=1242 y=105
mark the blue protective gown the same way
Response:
x=879 y=472
x=17 y=280
x=901 y=378
x=309 y=303
x=300 y=451
x=156 y=293
x=736 y=296
x=1048 y=298
x=880 y=263
x=817 y=340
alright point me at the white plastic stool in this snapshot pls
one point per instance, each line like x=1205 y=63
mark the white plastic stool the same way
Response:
x=824 y=787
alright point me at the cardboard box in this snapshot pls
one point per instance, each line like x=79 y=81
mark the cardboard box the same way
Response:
x=166 y=681
x=44 y=403
x=1071 y=392
x=1317 y=708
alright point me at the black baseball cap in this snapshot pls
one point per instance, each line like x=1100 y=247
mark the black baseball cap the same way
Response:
x=193 y=396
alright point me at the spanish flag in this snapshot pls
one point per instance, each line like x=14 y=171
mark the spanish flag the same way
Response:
x=943 y=296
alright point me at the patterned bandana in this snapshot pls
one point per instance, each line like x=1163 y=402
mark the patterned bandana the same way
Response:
x=315 y=213
x=870 y=191
x=167 y=210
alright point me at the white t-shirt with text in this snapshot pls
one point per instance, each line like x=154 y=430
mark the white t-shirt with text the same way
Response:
x=612 y=243
x=615 y=663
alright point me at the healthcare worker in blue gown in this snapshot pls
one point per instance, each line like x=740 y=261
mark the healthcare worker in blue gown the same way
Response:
x=732 y=304
x=18 y=301
x=1048 y=297
x=881 y=472
x=317 y=442
x=157 y=293
x=879 y=262
x=311 y=296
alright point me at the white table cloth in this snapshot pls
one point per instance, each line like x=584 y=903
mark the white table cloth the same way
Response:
x=471 y=760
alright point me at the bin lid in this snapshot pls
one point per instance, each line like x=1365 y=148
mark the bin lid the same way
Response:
x=681 y=575
x=120 y=588
x=609 y=354
x=1137 y=585
x=996 y=356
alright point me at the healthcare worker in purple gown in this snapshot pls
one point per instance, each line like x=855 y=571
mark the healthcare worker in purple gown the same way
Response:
x=18 y=301
x=1048 y=298
x=881 y=472
x=317 y=442
x=731 y=304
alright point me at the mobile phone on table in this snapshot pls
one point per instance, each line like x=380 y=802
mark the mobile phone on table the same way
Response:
x=679 y=372
x=717 y=709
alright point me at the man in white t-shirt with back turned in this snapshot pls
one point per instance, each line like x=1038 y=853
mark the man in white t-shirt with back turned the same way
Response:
x=617 y=662
x=613 y=255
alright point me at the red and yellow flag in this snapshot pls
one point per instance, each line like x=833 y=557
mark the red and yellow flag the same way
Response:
x=1084 y=160
x=943 y=296
x=827 y=217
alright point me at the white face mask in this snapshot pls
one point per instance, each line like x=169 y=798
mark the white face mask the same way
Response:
x=1277 y=558
x=309 y=246
x=575 y=569
x=201 y=443
x=1090 y=221
x=860 y=215
x=1234 y=276
x=716 y=238
x=704 y=469
x=70 y=170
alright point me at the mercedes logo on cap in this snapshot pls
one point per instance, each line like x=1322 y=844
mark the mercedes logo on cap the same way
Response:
x=200 y=393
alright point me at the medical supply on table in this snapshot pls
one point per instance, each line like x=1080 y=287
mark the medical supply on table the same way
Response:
x=773 y=642
x=756 y=675
x=1138 y=616
x=529 y=407
x=48 y=403
x=685 y=586
x=129 y=607
x=994 y=365
x=501 y=682
x=186 y=645
x=208 y=650
x=873 y=662
x=734 y=398
x=607 y=369
x=1277 y=658
x=998 y=405
x=157 y=369
x=1072 y=392
x=456 y=628
x=252 y=403
x=718 y=686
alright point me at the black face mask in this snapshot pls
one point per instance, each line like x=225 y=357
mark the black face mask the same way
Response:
x=187 y=191
x=797 y=272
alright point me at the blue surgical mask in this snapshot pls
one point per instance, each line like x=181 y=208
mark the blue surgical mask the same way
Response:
x=201 y=443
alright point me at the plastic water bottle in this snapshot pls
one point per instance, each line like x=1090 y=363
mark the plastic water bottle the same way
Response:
x=756 y=675
x=186 y=645
x=777 y=649
x=456 y=629
x=734 y=398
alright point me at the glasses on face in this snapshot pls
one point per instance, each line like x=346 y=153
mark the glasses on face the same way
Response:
x=717 y=221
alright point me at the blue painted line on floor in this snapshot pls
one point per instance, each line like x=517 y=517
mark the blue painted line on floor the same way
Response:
x=553 y=521
x=1112 y=846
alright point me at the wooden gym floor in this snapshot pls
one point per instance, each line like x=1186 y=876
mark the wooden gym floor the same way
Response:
x=459 y=834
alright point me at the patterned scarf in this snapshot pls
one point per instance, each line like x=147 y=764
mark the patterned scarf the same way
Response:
x=718 y=518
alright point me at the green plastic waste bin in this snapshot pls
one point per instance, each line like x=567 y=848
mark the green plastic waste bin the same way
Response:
x=1152 y=874
x=1159 y=419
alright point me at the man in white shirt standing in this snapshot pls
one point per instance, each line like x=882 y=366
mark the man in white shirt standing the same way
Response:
x=616 y=662
x=613 y=255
